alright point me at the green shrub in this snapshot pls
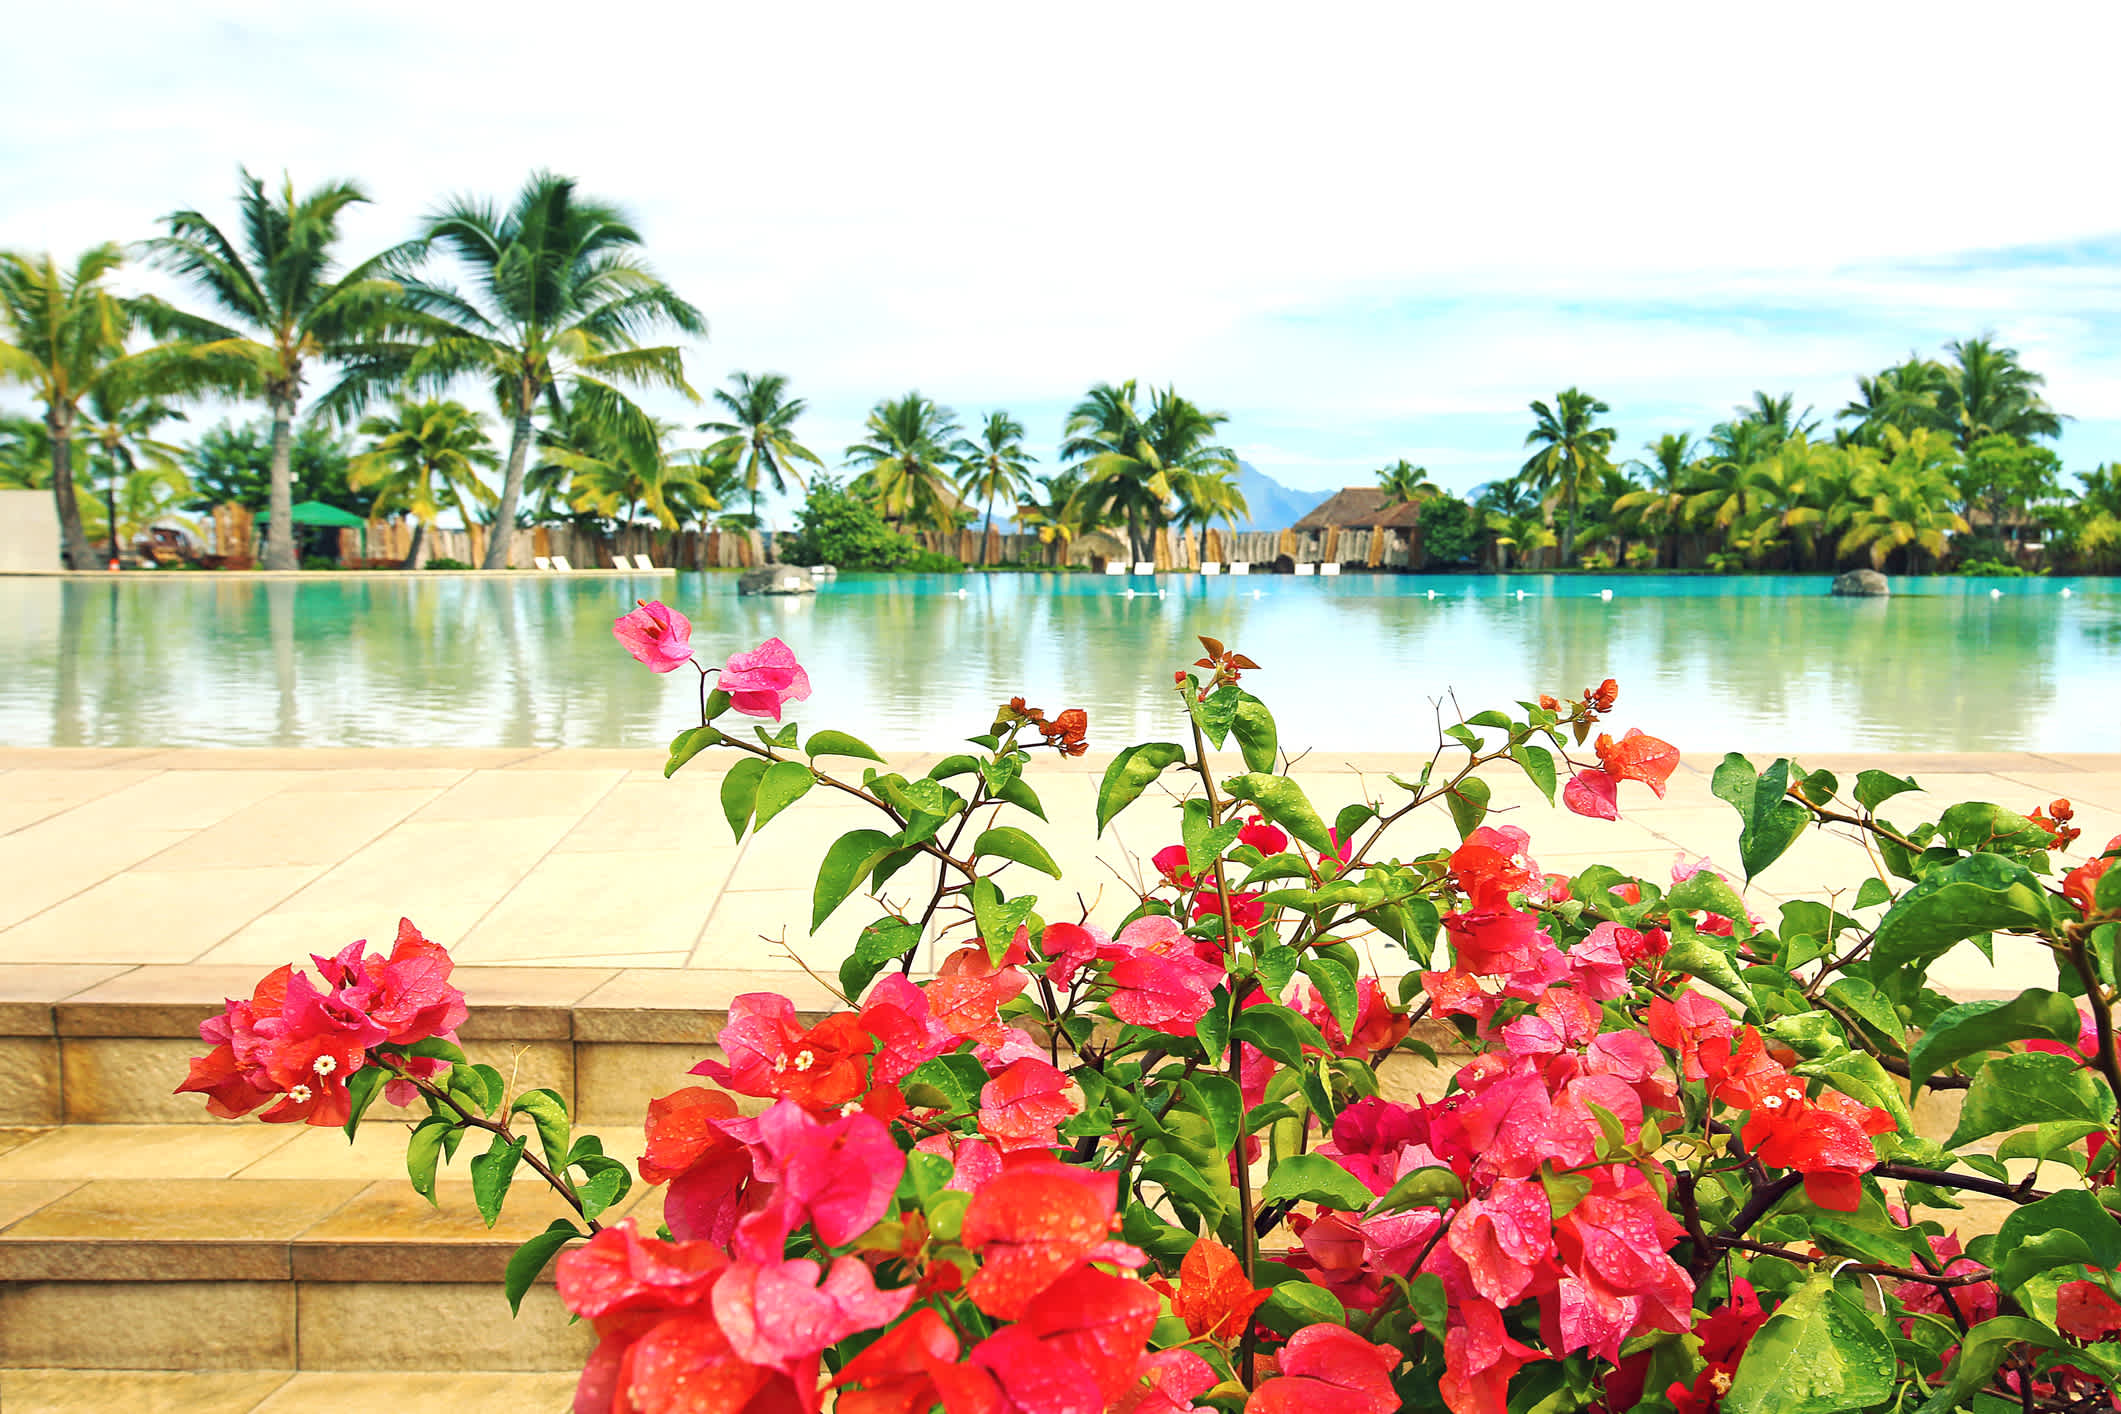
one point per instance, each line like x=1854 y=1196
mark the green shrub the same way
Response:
x=443 y=562
x=1994 y=569
x=1450 y=532
x=833 y=528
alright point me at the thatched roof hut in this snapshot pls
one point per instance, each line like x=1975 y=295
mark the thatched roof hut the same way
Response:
x=1361 y=508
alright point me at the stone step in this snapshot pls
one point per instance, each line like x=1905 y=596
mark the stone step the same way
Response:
x=281 y=1391
x=256 y=1247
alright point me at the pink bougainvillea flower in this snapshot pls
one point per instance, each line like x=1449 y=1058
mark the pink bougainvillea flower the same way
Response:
x=619 y=1272
x=969 y=989
x=1329 y=1367
x=1023 y=1106
x=1503 y=1237
x=1069 y=947
x=1167 y=1382
x=710 y=1172
x=1496 y=944
x=1377 y=1026
x=2084 y=1311
x=656 y=634
x=1097 y=1321
x=760 y=682
x=1593 y=793
x=1163 y=993
x=1686 y=1025
x=1170 y=861
x=891 y=1376
x=897 y=1013
x=839 y=1174
x=769 y=1054
x=1266 y=838
x=973 y=1162
x=1638 y=757
x=780 y=1315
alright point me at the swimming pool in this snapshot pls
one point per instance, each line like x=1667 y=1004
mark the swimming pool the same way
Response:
x=1353 y=663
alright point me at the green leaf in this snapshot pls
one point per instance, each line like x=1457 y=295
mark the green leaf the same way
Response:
x=1872 y=892
x=435 y=1048
x=2030 y=1088
x=1875 y=788
x=1015 y=792
x=1538 y=763
x=688 y=744
x=1979 y=894
x=362 y=1087
x=530 y=1259
x=1703 y=890
x=1278 y=1031
x=2087 y=1233
x=479 y=1087
x=1769 y=822
x=998 y=919
x=1187 y=1182
x=740 y=793
x=1314 y=1178
x=838 y=744
x=1296 y=1304
x=1336 y=987
x=1428 y=1301
x=1981 y=1354
x=784 y=783
x=549 y=1113
x=1865 y=1002
x=1858 y=1074
x=1008 y=842
x=1284 y=802
x=1213 y=1028
x=1468 y=801
x=1820 y=1353
x=717 y=703
x=493 y=1171
x=846 y=864
x=605 y=1181
x=958 y=765
x=1431 y=1187
x=1216 y=712
x=1974 y=1027
x=1978 y=825
x=423 y=1152
x=1254 y=728
x=1218 y=1098
x=1130 y=774
x=1703 y=955
x=957 y=1078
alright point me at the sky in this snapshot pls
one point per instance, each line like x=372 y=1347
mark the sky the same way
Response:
x=1364 y=232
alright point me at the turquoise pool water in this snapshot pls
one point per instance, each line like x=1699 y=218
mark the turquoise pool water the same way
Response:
x=1352 y=663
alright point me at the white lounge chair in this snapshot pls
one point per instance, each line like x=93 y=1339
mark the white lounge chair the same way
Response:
x=1115 y=567
x=559 y=562
x=642 y=562
x=1145 y=567
x=1210 y=567
x=1241 y=567
x=1330 y=567
x=824 y=571
x=543 y=562
x=1307 y=569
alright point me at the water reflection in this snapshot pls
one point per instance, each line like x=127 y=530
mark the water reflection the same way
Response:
x=1349 y=664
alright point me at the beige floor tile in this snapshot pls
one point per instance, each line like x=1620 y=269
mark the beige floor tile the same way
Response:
x=580 y=905
x=137 y=1391
x=288 y=935
x=747 y=929
x=121 y=1230
x=179 y=800
x=33 y=794
x=319 y=1392
x=29 y=991
x=429 y=778
x=51 y=862
x=680 y=814
x=92 y=1151
x=303 y=827
x=510 y=795
x=21 y=1197
x=138 y=917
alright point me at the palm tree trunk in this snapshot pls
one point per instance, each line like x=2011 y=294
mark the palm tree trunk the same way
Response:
x=416 y=555
x=987 y=539
x=1568 y=521
x=73 y=539
x=504 y=515
x=280 y=503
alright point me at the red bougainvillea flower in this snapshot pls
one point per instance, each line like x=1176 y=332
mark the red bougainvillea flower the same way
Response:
x=1023 y=1106
x=769 y=1054
x=1029 y=1226
x=892 y=1375
x=1377 y=1026
x=1686 y=1024
x=2085 y=1312
x=1503 y=1238
x=1725 y=1332
x=1171 y=861
x=780 y=1315
x=232 y=1076
x=1638 y=757
x=655 y=634
x=1167 y=1382
x=1213 y=1297
x=1479 y=1358
x=898 y=1014
x=1494 y=862
x=760 y=682
x=1827 y=1140
x=1592 y=793
x=712 y=1183
x=969 y=989
x=1262 y=836
x=2079 y=883
x=1329 y=1368
x=619 y=1272
x=1069 y=947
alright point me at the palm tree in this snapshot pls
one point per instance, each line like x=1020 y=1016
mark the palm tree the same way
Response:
x=560 y=301
x=291 y=308
x=2093 y=524
x=761 y=415
x=1903 y=498
x=1062 y=515
x=25 y=454
x=1205 y=497
x=1907 y=396
x=426 y=456
x=62 y=335
x=1777 y=417
x=1405 y=484
x=1572 y=452
x=1131 y=463
x=1989 y=391
x=614 y=478
x=911 y=442
x=996 y=465
x=1661 y=506
x=128 y=458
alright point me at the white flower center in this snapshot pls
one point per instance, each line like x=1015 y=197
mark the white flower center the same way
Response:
x=804 y=1060
x=299 y=1094
x=852 y=1107
x=1771 y=1102
x=780 y=1064
x=1720 y=1381
x=325 y=1065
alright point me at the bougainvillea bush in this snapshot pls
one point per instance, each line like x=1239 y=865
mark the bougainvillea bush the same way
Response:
x=1594 y=1143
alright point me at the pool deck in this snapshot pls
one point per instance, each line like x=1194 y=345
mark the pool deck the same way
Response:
x=230 y=862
